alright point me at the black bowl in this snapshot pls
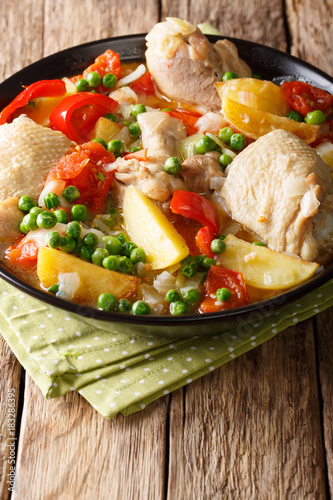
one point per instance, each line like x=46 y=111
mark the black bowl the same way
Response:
x=271 y=64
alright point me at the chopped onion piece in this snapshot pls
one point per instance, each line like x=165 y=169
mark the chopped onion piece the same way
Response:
x=150 y=294
x=57 y=186
x=309 y=204
x=140 y=70
x=164 y=282
x=102 y=226
x=124 y=95
x=210 y=122
x=193 y=283
x=68 y=285
x=216 y=182
x=187 y=145
x=232 y=228
x=98 y=233
x=38 y=236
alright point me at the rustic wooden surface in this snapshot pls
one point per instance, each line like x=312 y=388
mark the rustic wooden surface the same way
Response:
x=259 y=427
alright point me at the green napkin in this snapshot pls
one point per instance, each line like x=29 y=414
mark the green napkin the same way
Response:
x=118 y=372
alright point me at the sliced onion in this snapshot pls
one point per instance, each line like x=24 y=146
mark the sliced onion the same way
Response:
x=68 y=285
x=296 y=186
x=102 y=226
x=232 y=228
x=309 y=204
x=140 y=71
x=193 y=283
x=150 y=294
x=210 y=122
x=124 y=95
x=38 y=236
x=217 y=182
x=225 y=150
x=56 y=186
x=164 y=282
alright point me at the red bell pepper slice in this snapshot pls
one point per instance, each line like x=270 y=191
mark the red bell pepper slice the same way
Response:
x=85 y=169
x=75 y=121
x=141 y=155
x=305 y=97
x=203 y=239
x=144 y=84
x=194 y=206
x=43 y=88
x=220 y=277
x=189 y=118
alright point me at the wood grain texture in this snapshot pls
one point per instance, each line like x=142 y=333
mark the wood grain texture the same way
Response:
x=69 y=451
x=251 y=430
x=10 y=370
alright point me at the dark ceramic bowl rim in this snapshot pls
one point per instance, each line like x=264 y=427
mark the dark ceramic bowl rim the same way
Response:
x=263 y=55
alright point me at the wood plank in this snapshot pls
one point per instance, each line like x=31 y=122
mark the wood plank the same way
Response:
x=251 y=430
x=67 y=450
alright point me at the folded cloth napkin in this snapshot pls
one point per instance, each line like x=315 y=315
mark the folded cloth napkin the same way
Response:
x=117 y=372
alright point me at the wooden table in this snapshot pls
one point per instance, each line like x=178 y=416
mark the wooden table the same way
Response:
x=259 y=427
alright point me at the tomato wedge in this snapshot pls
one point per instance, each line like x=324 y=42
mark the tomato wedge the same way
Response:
x=76 y=114
x=203 y=239
x=144 y=85
x=108 y=62
x=220 y=277
x=43 y=88
x=141 y=155
x=85 y=168
x=305 y=97
x=189 y=118
x=194 y=206
x=24 y=254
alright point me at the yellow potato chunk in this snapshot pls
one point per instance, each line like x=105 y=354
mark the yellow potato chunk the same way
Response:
x=149 y=228
x=94 y=280
x=258 y=94
x=265 y=268
x=105 y=129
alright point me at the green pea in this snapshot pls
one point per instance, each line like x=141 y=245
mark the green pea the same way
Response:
x=113 y=245
x=46 y=220
x=111 y=263
x=225 y=134
x=107 y=302
x=116 y=147
x=172 y=296
x=35 y=210
x=259 y=243
x=225 y=159
x=125 y=265
x=54 y=288
x=222 y=236
x=52 y=239
x=61 y=216
x=81 y=85
x=79 y=213
x=127 y=248
x=140 y=308
x=99 y=255
x=124 y=306
x=78 y=246
x=100 y=141
x=199 y=260
x=66 y=244
x=94 y=79
x=316 y=117
x=178 y=308
x=86 y=252
x=23 y=228
x=172 y=165
x=207 y=263
x=30 y=221
x=71 y=193
x=223 y=294
x=138 y=255
x=73 y=230
x=191 y=297
x=238 y=142
x=109 y=80
x=189 y=267
x=111 y=116
x=136 y=109
x=121 y=237
x=90 y=239
x=218 y=246
x=257 y=77
x=51 y=200
x=26 y=203
x=204 y=145
x=134 y=129
x=295 y=115
x=229 y=75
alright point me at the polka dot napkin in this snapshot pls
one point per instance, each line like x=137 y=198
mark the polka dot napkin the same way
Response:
x=117 y=372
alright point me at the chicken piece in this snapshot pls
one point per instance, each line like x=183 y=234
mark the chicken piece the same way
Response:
x=280 y=189
x=197 y=171
x=10 y=218
x=185 y=65
x=161 y=135
x=27 y=152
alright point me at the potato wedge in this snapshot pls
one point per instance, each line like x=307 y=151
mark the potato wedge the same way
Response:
x=258 y=94
x=265 y=268
x=94 y=280
x=149 y=228
x=254 y=123
x=105 y=129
